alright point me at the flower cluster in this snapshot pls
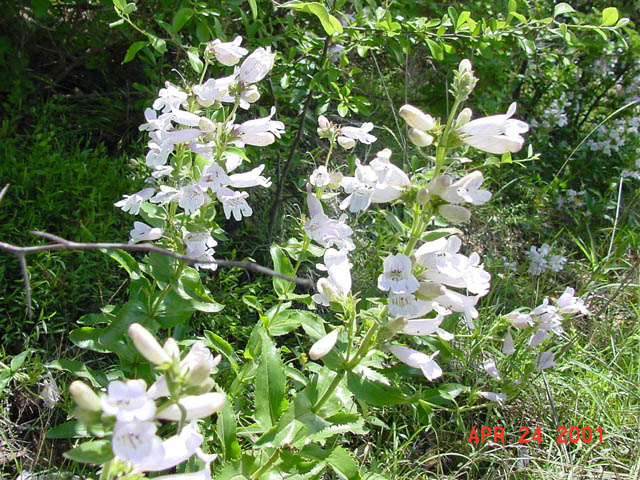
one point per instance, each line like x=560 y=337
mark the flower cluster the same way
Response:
x=195 y=145
x=540 y=261
x=573 y=198
x=130 y=409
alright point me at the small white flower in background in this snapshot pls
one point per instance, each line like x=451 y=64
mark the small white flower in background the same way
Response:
x=227 y=53
x=519 y=320
x=568 y=304
x=128 y=402
x=196 y=406
x=499 y=398
x=491 y=369
x=456 y=302
x=234 y=203
x=545 y=360
x=137 y=442
x=496 y=134
x=507 y=344
x=349 y=135
x=325 y=127
x=416 y=118
x=170 y=98
x=538 y=259
x=50 y=392
x=397 y=275
x=430 y=369
x=556 y=263
x=132 y=203
x=539 y=337
x=320 y=177
x=144 y=233
x=323 y=346
x=256 y=66
x=467 y=189
x=216 y=90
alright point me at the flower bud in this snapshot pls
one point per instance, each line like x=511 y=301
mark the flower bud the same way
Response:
x=324 y=345
x=147 y=345
x=196 y=406
x=420 y=138
x=84 y=396
x=206 y=125
x=465 y=80
x=396 y=324
x=430 y=290
x=416 y=118
x=206 y=386
x=465 y=66
x=171 y=348
x=454 y=213
x=346 y=142
x=256 y=66
x=423 y=196
x=439 y=184
x=334 y=179
x=251 y=94
x=463 y=117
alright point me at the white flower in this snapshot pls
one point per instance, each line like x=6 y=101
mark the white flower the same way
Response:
x=323 y=346
x=198 y=243
x=188 y=119
x=346 y=142
x=391 y=180
x=496 y=134
x=337 y=285
x=556 y=262
x=132 y=203
x=491 y=369
x=420 y=138
x=128 y=401
x=457 y=302
x=170 y=98
x=397 y=275
x=430 y=369
x=142 y=232
x=494 y=397
x=545 y=360
x=260 y=131
x=146 y=343
x=154 y=122
x=361 y=188
x=519 y=320
x=216 y=90
x=196 y=406
x=137 y=442
x=507 y=344
x=320 y=177
x=360 y=134
x=416 y=118
x=214 y=178
x=537 y=338
x=408 y=306
x=454 y=213
x=327 y=232
x=165 y=195
x=191 y=198
x=84 y=396
x=249 y=95
x=177 y=449
x=256 y=66
x=251 y=178
x=423 y=326
x=228 y=53
x=568 y=304
x=467 y=189
x=234 y=203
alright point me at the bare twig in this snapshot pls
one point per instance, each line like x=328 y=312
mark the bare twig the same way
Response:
x=64 y=244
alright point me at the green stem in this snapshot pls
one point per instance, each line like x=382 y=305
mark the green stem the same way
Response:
x=165 y=291
x=443 y=143
x=272 y=459
x=327 y=394
x=364 y=347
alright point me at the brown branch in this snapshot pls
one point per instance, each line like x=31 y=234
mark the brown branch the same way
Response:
x=64 y=244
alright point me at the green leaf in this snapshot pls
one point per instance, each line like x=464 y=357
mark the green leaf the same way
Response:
x=562 y=8
x=73 y=429
x=133 y=311
x=89 y=339
x=330 y=23
x=374 y=393
x=173 y=310
x=254 y=8
x=609 y=16
x=79 y=369
x=226 y=429
x=18 y=361
x=436 y=49
x=40 y=7
x=158 y=44
x=270 y=385
x=462 y=19
x=96 y=452
x=129 y=8
x=181 y=17
x=194 y=59
x=284 y=322
x=343 y=464
x=126 y=260
x=222 y=346
x=281 y=264
x=513 y=6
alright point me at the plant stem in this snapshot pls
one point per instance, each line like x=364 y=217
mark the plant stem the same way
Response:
x=327 y=394
x=272 y=459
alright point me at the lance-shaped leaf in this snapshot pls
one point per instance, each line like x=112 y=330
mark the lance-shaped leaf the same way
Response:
x=269 y=385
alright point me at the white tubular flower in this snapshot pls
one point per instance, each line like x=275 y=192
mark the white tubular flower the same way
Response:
x=144 y=233
x=191 y=198
x=166 y=195
x=496 y=134
x=147 y=345
x=128 y=402
x=250 y=95
x=170 y=98
x=186 y=118
x=132 y=203
x=227 y=53
x=204 y=474
x=137 y=442
x=456 y=302
x=507 y=344
x=391 y=180
x=251 y=178
x=568 y=304
x=177 y=449
x=324 y=345
x=397 y=275
x=491 y=369
x=327 y=232
x=556 y=263
x=256 y=66
x=422 y=327
x=408 y=306
x=361 y=134
x=420 y=138
x=154 y=122
x=214 y=178
x=158 y=154
x=338 y=284
x=214 y=90
x=260 y=131
x=234 y=203
x=499 y=398
x=545 y=360
x=537 y=338
x=454 y=213
x=231 y=161
x=320 y=177
x=430 y=369
x=439 y=184
x=346 y=142
x=84 y=396
x=198 y=243
x=162 y=171
x=519 y=319
x=416 y=118
x=196 y=406
x=467 y=189
x=360 y=188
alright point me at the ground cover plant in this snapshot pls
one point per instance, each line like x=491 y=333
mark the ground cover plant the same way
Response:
x=354 y=240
